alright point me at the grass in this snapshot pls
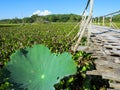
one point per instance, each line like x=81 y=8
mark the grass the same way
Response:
x=17 y=36
x=52 y=35
x=9 y=25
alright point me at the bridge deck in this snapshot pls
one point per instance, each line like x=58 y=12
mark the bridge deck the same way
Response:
x=105 y=45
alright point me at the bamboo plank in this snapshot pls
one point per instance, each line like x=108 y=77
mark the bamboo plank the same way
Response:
x=115 y=85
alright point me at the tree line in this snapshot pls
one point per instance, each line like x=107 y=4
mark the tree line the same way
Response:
x=53 y=18
x=48 y=18
x=115 y=18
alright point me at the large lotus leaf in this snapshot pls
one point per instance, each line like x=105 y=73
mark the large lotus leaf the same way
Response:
x=36 y=68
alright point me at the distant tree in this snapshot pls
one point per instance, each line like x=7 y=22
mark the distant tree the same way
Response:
x=52 y=18
x=28 y=20
x=116 y=18
x=34 y=17
x=15 y=20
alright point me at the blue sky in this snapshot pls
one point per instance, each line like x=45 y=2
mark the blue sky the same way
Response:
x=26 y=8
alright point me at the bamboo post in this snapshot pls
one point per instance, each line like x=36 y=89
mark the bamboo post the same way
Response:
x=83 y=22
x=85 y=26
x=89 y=33
x=98 y=21
x=95 y=21
x=103 y=21
x=81 y=25
x=111 y=21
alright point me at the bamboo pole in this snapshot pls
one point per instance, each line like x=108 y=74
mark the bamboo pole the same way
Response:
x=103 y=21
x=72 y=29
x=81 y=26
x=111 y=21
x=85 y=25
x=112 y=13
x=89 y=32
x=98 y=21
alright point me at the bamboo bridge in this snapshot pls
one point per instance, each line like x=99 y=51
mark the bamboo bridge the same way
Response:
x=104 y=44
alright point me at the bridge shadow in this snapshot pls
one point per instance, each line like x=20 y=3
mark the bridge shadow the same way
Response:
x=107 y=30
x=103 y=32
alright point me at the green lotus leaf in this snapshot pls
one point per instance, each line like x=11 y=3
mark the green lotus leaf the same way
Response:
x=36 y=68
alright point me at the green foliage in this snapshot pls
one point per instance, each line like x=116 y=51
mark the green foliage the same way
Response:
x=50 y=18
x=52 y=35
x=9 y=25
x=79 y=81
x=116 y=18
x=37 y=68
x=85 y=62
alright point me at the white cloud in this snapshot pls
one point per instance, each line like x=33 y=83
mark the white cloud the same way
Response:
x=42 y=13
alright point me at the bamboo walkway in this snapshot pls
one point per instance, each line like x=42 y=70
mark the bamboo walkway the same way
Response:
x=105 y=46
